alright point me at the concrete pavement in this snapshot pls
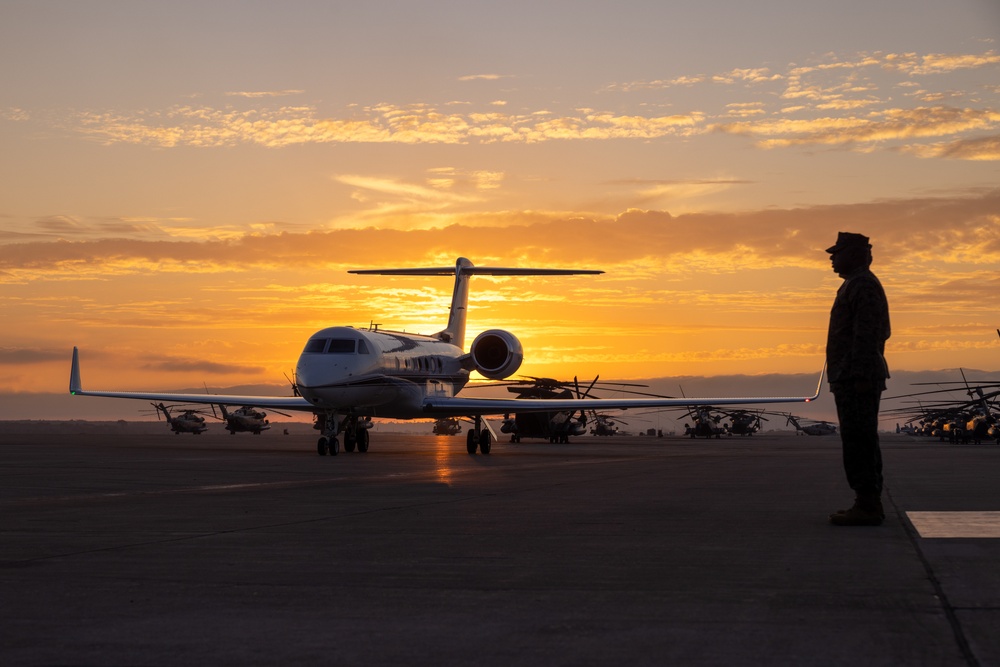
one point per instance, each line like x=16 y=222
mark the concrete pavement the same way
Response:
x=121 y=548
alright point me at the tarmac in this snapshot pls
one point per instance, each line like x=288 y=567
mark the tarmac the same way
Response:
x=122 y=548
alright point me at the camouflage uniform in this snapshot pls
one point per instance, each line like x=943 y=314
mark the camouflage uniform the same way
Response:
x=857 y=371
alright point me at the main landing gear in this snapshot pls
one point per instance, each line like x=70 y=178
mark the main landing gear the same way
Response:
x=479 y=437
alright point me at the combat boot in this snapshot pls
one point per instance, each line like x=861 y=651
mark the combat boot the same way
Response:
x=878 y=506
x=867 y=511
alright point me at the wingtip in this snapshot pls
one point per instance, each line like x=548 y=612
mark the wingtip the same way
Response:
x=819 y=385
x=74 y=374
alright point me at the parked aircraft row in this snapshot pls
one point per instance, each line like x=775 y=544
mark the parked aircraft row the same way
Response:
x=346 y=376
x=973 y=419
x=245 y=419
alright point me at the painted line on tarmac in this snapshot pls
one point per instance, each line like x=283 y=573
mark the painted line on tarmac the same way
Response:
x=956 y=524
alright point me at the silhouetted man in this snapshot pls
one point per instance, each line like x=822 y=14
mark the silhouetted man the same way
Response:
x=856 y=368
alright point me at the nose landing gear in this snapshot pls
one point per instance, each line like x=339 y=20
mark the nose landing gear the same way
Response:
x=355 y=432
x=328 y=444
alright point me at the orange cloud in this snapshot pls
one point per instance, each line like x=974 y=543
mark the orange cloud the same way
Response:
x=982 y=148
x=790 y=237
x=888 y=125
x=692 y=293
x=208 y=127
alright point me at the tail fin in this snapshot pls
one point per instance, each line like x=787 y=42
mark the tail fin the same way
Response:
x=464 y=269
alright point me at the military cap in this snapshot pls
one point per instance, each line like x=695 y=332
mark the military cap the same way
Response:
x=848 y=240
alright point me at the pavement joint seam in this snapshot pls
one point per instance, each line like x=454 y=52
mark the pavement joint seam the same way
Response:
x=961 y=640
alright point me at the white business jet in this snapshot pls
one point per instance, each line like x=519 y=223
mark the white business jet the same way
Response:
x=346 y=376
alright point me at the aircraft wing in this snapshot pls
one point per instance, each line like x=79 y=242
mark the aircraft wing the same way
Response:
x=459 y=406
x=274 y=402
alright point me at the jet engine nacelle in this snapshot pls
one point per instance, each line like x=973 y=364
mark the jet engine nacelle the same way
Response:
x=496 y=354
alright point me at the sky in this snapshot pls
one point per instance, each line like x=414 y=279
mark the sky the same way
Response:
x=184 y=185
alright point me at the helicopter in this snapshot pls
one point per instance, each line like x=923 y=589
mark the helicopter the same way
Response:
x=189 y=421
x=810 y=426
x=246 y=419
x=706 y=423
x=557 y=426
x=605 y=425
x=744 y=422
x=447 y=426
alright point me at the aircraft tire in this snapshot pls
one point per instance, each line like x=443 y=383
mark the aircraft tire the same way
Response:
x=485 y=442
x=471 y=442
x=334 y=446
x=349 y=443
x=363 y=441
x=321 y=446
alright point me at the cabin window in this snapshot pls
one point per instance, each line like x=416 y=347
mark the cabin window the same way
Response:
x=341 y=346
x=362 y=347
x=316 y=346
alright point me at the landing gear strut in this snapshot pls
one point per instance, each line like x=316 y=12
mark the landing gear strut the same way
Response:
x=330 y=427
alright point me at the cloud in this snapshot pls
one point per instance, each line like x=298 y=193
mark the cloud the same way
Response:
x=982 y=148
x=644 y=192
x=939 y=63
x=15 y=114
x=24 y=356
x=698 y=293
x=188 y=366
x=844 y=102
x=750 y=75
x=767 y=238
x=884 y=126
x=260 y=94
x=821 y=103
x=208 y=127
x=485 y=77
x=408 y=191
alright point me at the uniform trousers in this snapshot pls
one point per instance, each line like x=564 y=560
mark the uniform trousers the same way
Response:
x=858 y=415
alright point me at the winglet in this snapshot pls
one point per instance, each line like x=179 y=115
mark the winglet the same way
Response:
x=74 y=374
x=819 y=385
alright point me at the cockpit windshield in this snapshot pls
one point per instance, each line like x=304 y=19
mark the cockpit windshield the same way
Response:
x=315 y=346
x=330 y=346
x=341 y=346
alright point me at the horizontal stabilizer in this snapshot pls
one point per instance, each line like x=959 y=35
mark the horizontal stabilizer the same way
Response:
x=454 y=333
x=476 y=271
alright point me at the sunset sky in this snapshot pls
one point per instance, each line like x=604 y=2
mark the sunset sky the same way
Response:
x=184 y=185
